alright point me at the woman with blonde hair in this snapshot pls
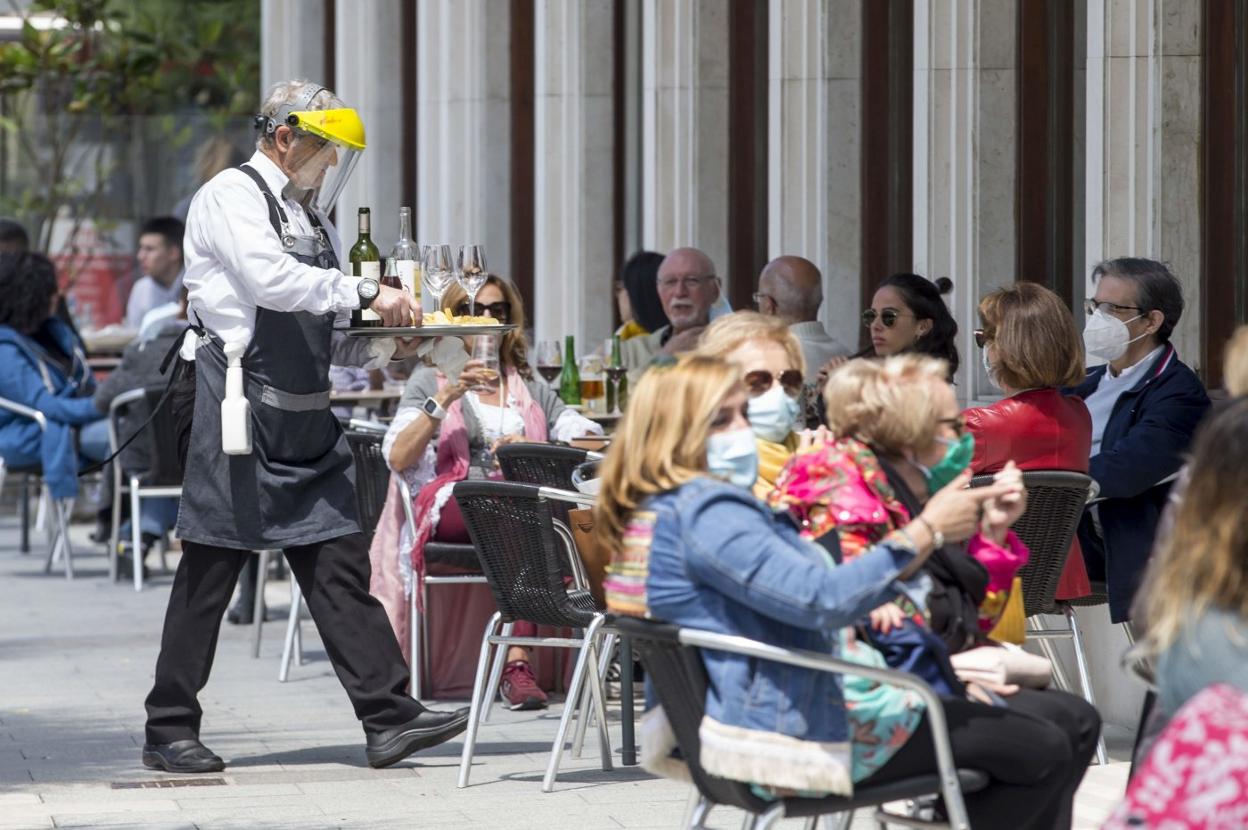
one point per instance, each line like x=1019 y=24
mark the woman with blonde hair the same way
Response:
x=443 y=432
x=772 y=368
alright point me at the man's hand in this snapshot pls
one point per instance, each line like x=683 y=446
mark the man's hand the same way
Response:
x=683 y=341
x=395 y=307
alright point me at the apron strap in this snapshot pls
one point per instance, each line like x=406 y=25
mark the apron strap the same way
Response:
x=277 y=215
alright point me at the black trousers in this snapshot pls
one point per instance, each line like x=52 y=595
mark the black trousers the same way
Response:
x=333 y=576
x=1036 y=751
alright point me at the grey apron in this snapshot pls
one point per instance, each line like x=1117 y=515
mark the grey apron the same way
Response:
x=298 y=485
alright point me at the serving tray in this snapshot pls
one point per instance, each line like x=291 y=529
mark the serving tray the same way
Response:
x=425 y=331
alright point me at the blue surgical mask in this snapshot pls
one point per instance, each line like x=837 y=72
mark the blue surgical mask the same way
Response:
x=733 y=457
x=773 y=413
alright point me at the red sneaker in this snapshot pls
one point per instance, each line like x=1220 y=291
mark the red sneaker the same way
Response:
x=519 y=687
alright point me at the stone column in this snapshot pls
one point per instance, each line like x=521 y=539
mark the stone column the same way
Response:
x=572 y=114
x=964 y=144
x=1143 y=153
x=368 y=37
x=464 y=125
x=292 y=41
x=813 y=147
x=685 y=126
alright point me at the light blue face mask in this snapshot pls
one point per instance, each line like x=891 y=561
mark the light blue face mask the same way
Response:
x=773 y=413
x=733 y=457
x=720 y=308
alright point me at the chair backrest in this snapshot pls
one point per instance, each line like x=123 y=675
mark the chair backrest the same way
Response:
x=522 y=556
x=372 y=477
x=679 y=679
x=165 y=467
x=1055 y=503
x=547 y=465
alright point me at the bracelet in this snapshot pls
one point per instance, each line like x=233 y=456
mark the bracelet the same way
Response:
x=905 y=534
x=938 y=538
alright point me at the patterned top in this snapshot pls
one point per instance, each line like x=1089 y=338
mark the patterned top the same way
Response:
x=625 y=582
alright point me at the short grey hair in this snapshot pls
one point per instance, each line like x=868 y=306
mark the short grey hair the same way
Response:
x=1157 y=289
x=283 y=93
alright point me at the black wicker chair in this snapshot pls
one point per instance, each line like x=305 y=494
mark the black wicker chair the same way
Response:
x=546 y=465
x=523 y=552
x=1056 y=500
x=673 y=664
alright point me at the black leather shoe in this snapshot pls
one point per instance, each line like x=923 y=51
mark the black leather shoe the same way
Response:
x=427 y=729
x=181 y=756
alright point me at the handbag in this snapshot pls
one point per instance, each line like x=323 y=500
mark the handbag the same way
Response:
x=593 y=555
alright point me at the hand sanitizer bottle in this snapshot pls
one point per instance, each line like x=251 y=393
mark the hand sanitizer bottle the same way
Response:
x=235 y=409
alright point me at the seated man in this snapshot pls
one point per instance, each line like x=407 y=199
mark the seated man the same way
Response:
x=1145 y=405
x=160 y=260
x=140 y=367
x=688 y=288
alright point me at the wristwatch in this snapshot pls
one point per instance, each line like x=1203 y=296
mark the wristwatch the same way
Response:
x=368 y=290
x=433 y=409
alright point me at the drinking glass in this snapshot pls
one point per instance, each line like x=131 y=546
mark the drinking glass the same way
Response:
x=593 y=388
x=471 y=271
x=485 y=349
x=438 y=269
x=549 y=360
x=616 y=372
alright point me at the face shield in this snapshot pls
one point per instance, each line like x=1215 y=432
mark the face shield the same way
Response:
x=327 y=146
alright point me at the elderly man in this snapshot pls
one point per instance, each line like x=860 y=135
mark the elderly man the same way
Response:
x=1145 y=406
x=791 y=288
x=267 y=466
x=688 y=287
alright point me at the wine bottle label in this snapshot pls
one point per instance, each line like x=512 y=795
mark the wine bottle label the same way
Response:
x=407 y=276
x=372 y=270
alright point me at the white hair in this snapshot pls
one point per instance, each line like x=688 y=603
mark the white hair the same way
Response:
x=283 y=93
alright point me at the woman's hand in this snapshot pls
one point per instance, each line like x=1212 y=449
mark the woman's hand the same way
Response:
x=976 y=694
x=828 y=368
x=473 y=374
x=955 y=509
x=887 y=617
x=1002 y=512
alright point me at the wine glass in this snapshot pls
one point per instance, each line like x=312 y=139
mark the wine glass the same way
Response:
x=549 y=360
x=438 y=269
x=471 y=272
x=485 y=349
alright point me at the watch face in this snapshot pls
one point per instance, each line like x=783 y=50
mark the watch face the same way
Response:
x=368 y=290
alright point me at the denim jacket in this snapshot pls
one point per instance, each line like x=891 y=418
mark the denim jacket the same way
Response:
x=722 y=561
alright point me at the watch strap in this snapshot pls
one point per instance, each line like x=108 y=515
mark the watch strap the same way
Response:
x=433 y=409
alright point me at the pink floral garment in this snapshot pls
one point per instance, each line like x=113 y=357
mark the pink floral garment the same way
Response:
x=1196 y=776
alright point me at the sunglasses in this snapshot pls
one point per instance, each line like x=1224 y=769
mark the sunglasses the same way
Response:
x=760 y=380
x=958 y=424
x=500 y=310
x=982 y=338
x=888 y=316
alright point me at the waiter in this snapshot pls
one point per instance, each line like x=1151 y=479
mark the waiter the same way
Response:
x=262 y=272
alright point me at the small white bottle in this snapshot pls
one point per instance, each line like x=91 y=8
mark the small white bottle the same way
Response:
x=235 y=408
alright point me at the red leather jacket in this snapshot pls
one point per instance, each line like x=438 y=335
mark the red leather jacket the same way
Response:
x=1041 y=429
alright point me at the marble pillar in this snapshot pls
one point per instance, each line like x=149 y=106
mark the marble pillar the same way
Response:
x=1143 y=154
x=292 y=41
x=573 y=210
x=368 y=37
x=813 y=147
x=964 y=154
x=685 y=126
x=464 y=126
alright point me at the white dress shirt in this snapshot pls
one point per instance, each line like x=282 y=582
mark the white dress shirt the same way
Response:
x=148 y=294
x=235 y=262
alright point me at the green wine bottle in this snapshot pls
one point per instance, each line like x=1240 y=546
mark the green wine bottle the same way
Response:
x=570 y=378
x=617 y=391
x=365 y=262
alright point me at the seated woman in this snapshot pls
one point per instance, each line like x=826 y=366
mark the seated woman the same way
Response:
x=695 y=548
x=898 y=438
x=1030 y=351
x=908 y=315
x=1194 y=600
x=771 y=362
x=436 y=439
x=637 y=295
x=43 y=365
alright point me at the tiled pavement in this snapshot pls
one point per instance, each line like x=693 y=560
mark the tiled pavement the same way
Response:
x=76 y=660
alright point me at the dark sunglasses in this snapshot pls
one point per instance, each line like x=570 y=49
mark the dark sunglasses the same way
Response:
x=500 y=310
x=958 y=424
x=888 y=316
x=982 y=337
x=760 y=380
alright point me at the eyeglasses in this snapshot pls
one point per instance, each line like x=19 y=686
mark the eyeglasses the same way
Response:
x=760 y=380
x=1105 y=307
x=888 y=316
x=957 y=424
x=689 y=283
x=982 y=337
x=500 y=310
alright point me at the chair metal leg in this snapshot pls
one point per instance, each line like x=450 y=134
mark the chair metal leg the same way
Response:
x=1085 y=678
x=292 y=629
x=114 y=534
x=41 y=510
x=480 y=689
x=1050 y=653
x=584 y=655
x=24 y=547
x=61 y=510
x=136 y=532
x=599 y=696
x=426 y=653
x=584 y=709
x=54 y=547
x=257 y=605
x=496 y=674
x=839 y=821
x=696 y=810
x=415 y=662
x=769 y=818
